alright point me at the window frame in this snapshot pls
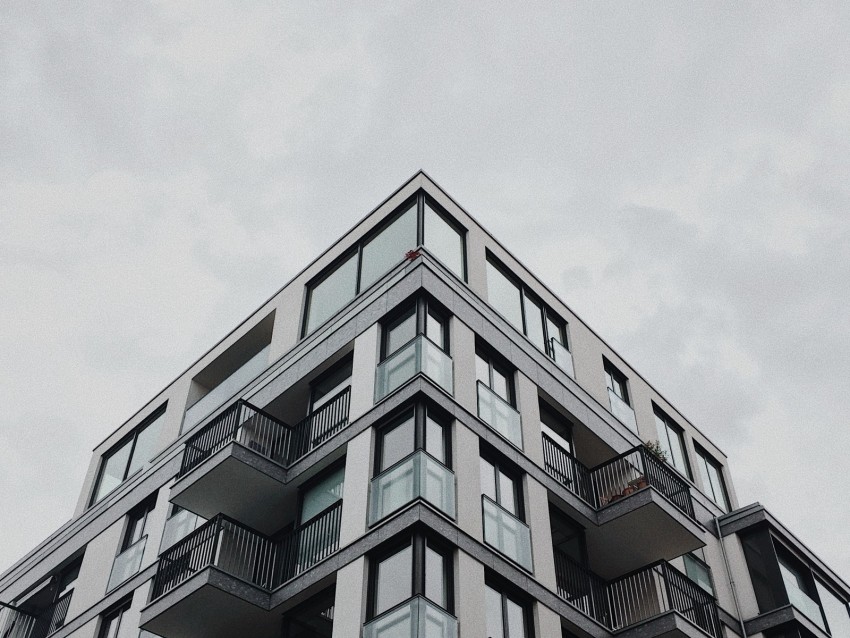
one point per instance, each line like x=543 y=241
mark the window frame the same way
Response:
x=417 y=202
x=132 y=438
x=419 y=541
x=613 y=372
x=705 y=457
x=497 y=363
x=422 y=306
x=512 y=473
x=703 y=565
x=116 y=611
x=421 y=412
x=312 y=482
x=140 y=512
x=507 y=592
x=679 y=432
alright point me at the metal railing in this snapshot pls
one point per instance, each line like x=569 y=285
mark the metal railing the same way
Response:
x=14 y=622
x=568 y=470
x=634 y=470
x=580 y=587
x=659 y=589
x=318 y=426
x=310 y=542
x=20 y=624
x=261 y=432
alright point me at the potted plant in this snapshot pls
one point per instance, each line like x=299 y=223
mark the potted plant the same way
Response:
x=654 y=448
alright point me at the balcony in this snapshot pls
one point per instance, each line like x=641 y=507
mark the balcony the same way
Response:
x=640 y=600
x=617 y=489
x=563 y=357
x=506 y=533
x=500 y=415
x=414 y=618
x=249 y=447
x=17 y=623
x=127 y=563
x=178 y=527
x=419 y=356
x=623 y=411
x=419 y=475
x=226 y=566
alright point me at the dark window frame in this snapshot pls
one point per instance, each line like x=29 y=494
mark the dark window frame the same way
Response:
x=702 y=563
x=421 y=411
x=547 y=314
x=417 y=201
x=418 y=541
x=563 y=422
x=116 y=611
x=679 y=431
x=512 y=472
x=499 y=364
x=140 y=512
x=704 y=456
x=508 y=590
x=312 y=482
x=617 y=377
x=133 y=438
x=422 y=305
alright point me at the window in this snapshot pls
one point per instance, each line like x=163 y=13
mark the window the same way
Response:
x=800 y=587
x=422 y=317
x=418 y=429
x=526 y=312
x=418 y=222
x=506 y=616
x=501 y=485
x=181 y=522
x=556 y=427
x=672 y=441
x=322 y=493
x=699 y=572
x=711 y=473
x=420 y=566
x=835 y=609
x=616 y=382
x=495 y=375
x=112 y=625
x=136 y=523
x=128 y=457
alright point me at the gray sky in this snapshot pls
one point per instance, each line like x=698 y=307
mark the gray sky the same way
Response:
x=677 y=173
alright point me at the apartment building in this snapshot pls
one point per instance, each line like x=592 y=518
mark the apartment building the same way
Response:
x=415 y=438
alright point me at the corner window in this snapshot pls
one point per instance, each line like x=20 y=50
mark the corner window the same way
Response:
x=418 y=222
x=524 y=310
x=418 y=429
x=672 y=441
x=422 y=317
x=800 y=587
x=507 y=617
x=835 y=609
x=711 y=474
x=128 y=457
x=616 y=382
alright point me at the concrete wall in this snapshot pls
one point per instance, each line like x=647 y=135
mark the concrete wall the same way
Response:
x=350 y=600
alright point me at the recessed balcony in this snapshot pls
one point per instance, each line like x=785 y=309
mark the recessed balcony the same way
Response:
x=500 y=415
x=414 y=618
x=247 y=447
x=658 y=600
x=34 y=623
x=506 y=533
x=419 y=475
x=419 y=356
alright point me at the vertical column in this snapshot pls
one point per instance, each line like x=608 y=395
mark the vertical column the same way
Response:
x=355 y=490
x=546 y=622
x=349 y=600
x=468 y=475
x=470 y=606
x=529 y=409
x=363 y=373
x=463 y=358
x=537 y=510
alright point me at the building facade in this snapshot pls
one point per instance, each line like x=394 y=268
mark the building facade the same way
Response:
x=416 y=438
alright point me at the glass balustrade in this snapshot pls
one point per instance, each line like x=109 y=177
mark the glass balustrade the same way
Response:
x=414 y=618
x=623 y=411
x=127 y=563
x=499 y=415
x=420 y=355
x=562 y=357
x=419 y=475
x=506 y=533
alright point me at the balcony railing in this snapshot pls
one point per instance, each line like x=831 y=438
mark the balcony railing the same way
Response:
x=567 y=470
x=420 y=355
x=562 y=356
x=506 y=533
x=419 y=475
x=127 y=563
x=259 y=431
x=636 y=597
x=245 y=553
x=658 y=589
x=622 y=410
x=414 y=618
x=636 y=469
x=500 y=415
x=16 y=623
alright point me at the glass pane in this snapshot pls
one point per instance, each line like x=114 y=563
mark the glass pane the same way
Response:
x=493 y=600
x=147 y=445
x=114 y=468
x=435 y=443
x=516 y=619
x=504 y=296
x=330 y=385
x=507 y=494
x=434 y=330
x=397 y=443
x=395 y=580
x=322 y=495
x=500 y=385
x=482 y=370
x=332 y=293
x=110 y=627
x=488 y=479
x=401 y=332
x=835 y=611
x=797 y=595
x=677 y=454
x=698 y=573
x=435 y=577
x=443 y=241
x=388 y=248
x=555 y=331
x=717 y=486
x=534 y=324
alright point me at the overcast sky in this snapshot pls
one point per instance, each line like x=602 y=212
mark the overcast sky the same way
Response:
x=678 y=173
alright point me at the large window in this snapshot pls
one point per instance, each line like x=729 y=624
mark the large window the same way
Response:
x=507 y=617
x=114 y=625
x=418 y=429
x=711 y=473
x=698 y=571
x=524 y=310
x=419 y=222
x=422 y=317
x=616 y=382
x=494 y=374
x=672 y=441
x=835 y=610
x=128 y=457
